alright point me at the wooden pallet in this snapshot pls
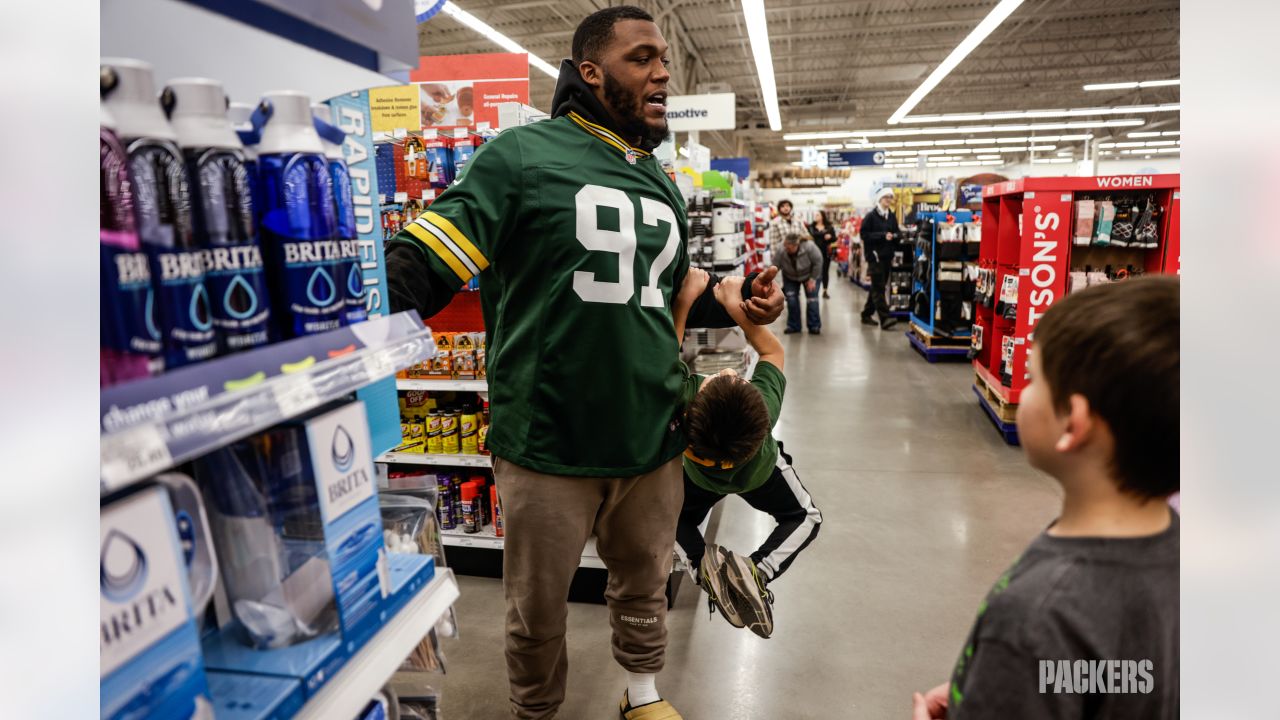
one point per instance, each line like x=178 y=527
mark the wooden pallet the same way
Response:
x=1002 y=410
x=940 y=341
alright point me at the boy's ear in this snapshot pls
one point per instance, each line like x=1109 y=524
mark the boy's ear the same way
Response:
x=1080 y=424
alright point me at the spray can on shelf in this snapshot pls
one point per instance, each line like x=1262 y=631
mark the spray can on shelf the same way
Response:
x=162 y=212
x=433 y=433
x=482 y=499
x=298 y=217
x=496 y=509
x=470 y=504
x=350 y=276
x=222 y=212
x=469 y=428
x=444 y=503
x=455 y=494
x=129 y=337
x=449 y=432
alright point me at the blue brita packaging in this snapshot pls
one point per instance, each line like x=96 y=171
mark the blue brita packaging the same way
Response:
x=162 y=209
x=149 y=644
x=223 y=215
x=351 y=275
x=299 y=218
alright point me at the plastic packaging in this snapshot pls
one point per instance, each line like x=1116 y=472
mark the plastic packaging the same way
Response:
x=406 y=522
x=195 y=537
x=223 y=213
x=266 y=522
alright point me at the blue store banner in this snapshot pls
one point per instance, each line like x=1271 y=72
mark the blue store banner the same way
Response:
x=738 y=165
x=351 y=114
x=856 y=157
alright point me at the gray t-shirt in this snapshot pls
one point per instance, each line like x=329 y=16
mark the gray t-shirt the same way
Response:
x=1068 y=600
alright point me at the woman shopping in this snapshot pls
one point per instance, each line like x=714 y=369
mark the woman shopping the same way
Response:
x=824 y=236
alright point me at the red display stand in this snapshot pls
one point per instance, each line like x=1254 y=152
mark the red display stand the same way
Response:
x=1028 y=227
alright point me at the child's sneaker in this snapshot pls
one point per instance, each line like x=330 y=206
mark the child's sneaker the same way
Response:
x=660 y=710
x=752 y=603
x=711 y=579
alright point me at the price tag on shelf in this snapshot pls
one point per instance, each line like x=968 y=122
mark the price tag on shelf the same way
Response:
x=131 y=454
x=295 y=395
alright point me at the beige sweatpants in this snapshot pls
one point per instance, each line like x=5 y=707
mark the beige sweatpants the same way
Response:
x=548 y=519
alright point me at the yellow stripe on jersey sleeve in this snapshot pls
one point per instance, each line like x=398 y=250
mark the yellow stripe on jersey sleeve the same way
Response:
x=426 y=238
x=457 y=237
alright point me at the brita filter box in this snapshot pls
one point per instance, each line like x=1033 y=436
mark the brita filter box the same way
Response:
x=149 y=645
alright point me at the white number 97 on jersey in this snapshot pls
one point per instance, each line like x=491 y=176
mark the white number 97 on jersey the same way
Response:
x=621 y=242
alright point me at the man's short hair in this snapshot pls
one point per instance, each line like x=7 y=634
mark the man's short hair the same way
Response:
x=595 y=32
x=1117 y=345
x=785 y=202
x=727 y=421
x=793 y=239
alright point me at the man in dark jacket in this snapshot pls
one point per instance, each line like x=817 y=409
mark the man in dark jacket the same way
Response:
x=879 y=227
x=800 y=264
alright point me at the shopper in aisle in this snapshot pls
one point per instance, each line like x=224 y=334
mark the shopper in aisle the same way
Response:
x=587 y=306
x=1100 y=585
x=732 y=452
x=800 y=263
x=879 y=227
x=784 y=225
x=824 y=236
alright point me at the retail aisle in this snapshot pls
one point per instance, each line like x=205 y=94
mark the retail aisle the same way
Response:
x=924 y=506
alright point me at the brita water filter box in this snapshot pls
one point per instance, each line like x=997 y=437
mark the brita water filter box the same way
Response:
x=237 y=696
x=299 y=221
x=299 y=535
x=149 y=645
x=162 y=210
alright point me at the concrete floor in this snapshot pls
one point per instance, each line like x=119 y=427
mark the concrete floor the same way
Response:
x=923 y=504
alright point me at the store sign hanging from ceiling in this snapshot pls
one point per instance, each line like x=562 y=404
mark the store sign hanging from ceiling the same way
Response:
x=716 y=111
x=427 y=9
x=855 y=158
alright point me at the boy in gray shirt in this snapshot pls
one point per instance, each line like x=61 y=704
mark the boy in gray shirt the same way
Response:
x=1085 y=622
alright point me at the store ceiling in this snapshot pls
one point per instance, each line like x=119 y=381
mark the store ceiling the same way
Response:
x=848 y=64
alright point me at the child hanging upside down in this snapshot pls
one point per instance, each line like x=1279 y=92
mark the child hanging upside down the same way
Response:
x=732 y=452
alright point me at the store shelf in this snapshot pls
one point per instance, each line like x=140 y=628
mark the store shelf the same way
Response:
x=151 y=425
x=443 y=385
x=480 y=461
x=731 y=201
x=363 y=675
x=740 y=260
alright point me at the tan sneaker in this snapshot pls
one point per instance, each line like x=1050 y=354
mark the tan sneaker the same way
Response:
x=752 y=602
x=660 y=710
x=711 y=579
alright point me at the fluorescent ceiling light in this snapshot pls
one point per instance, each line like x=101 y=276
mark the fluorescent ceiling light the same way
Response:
x=505 y=42
x=966 y=46
x=1066 y=153
x=758 y=31
x=1051 y=161
x=1140 y=143
x=1132 y=85
x=961 y=130
x=1033 y=114
x=1148 y=151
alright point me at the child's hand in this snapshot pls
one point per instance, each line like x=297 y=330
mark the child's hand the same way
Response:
x=695 y=283
x=729 y=291
x=932 y=705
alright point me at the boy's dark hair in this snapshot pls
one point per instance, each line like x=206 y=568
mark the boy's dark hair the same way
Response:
x=596 y=30
x=785 y=202
x=1117 y=345
x=727 y=421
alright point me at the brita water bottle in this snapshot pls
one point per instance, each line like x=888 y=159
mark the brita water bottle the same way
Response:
x=162 y=211
x=298 y=217
x=241 y=117
x=222 y=212
x=130 y=338
x=351 y=276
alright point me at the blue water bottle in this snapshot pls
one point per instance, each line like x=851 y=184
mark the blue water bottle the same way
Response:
x=222 y=212
x=351 y=277
x=298 y=218
x=162 y=208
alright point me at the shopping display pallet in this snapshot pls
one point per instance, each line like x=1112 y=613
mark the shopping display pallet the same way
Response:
x=1003 y=413
x=937 y=347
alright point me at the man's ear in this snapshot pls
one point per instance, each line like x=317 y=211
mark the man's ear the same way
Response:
x=1080 y=425
x=592 y=74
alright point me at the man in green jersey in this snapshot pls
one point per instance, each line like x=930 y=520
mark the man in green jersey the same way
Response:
x=579 y=239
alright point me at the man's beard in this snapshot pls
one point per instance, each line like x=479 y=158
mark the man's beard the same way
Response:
x=629 y=113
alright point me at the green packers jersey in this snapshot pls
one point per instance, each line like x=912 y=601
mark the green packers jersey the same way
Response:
x=748 y=476
x=578 y=240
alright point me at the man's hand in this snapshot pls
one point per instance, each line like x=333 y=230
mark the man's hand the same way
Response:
x=766 y=301
x=931 y=705
x=811 y=285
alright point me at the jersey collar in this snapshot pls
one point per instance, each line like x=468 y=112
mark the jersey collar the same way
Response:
x=602 y=133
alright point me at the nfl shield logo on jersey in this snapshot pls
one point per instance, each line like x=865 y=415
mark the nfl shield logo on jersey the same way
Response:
x=631 y=156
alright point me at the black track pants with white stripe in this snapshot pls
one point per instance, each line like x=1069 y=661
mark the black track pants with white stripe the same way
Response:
x=782 y=496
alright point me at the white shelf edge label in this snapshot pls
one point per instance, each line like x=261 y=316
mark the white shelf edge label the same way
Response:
x=134 y=453
x=295 y=395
